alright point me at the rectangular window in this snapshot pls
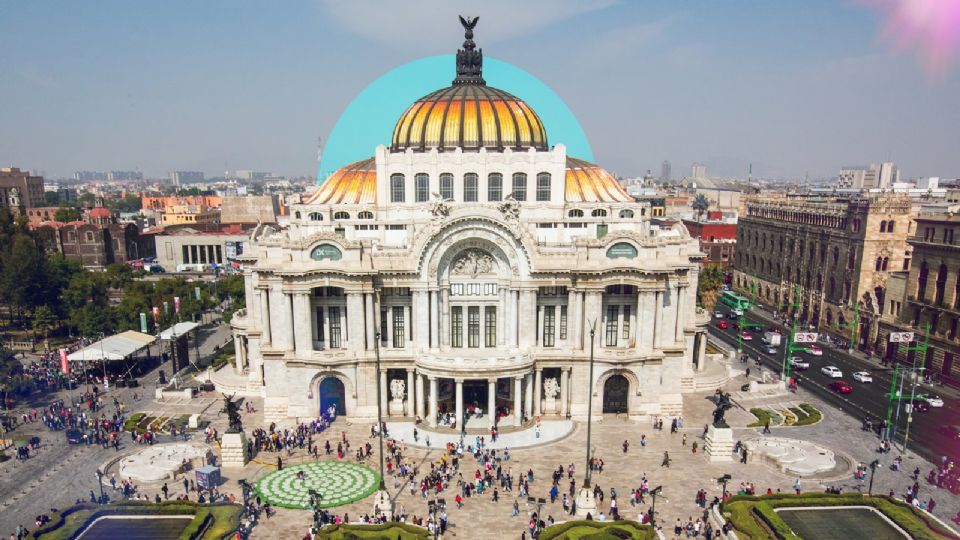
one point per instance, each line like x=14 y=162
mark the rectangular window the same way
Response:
x=519 y=186
x=490 y=327
x=186 y=255
x=612 y=313
x=456 y=327
x=219 y=254
x=203 y=255
x=320 y=336
x=626 y=322
x=549 y=313
x=396 y=188
x=193 y=254
x=383 y=328
x=335 y=328
x=470 y=181
x=422 y=184
x=473 y=327
x=563 y=322
x=399 y=327
x=446 y=186
x=543 y=186
x=494 y=187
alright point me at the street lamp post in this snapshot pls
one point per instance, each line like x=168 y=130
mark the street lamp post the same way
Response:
x=653 y=506
x=587 y=475
x=376 y=349
x=723 y=480
x=539 y=502
x=873 y=468
x=100 y=483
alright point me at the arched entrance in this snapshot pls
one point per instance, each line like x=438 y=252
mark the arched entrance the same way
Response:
x=615 y=391
x=332 y=393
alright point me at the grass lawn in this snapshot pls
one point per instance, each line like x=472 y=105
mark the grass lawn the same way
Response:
x=595 y=530
x=216 y=520
x=386 y=531
x=763 y=416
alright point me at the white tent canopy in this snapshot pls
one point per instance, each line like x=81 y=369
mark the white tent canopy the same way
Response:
x=116 y=347
x=179 y=329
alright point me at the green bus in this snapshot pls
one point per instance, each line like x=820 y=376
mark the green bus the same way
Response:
x=735 y=301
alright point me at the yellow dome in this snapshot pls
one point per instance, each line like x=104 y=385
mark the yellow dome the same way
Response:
x=469 y=116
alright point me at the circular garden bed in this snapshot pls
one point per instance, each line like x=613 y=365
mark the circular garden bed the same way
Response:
x=338 y=483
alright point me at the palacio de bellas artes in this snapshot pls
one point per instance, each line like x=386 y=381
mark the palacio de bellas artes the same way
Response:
x=479 y=265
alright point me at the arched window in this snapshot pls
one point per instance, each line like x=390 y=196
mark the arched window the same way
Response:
x=886 y=262
x=599 y=212
x=890 y=226
x=883 y=226
x=365 y=215
x=315 y=216
x=446 y=186
x=470 y=186
x=297 y=214
x=836 y=255
x=922 y=281
x=941 y=286
x=575 y=213
x=543 y=186
x=494 y=187
x=89 y=236
x=520 y=186
x=397 y=194
x=421 y=190
x=833 y=287
x=626 y=214
x=341 y=215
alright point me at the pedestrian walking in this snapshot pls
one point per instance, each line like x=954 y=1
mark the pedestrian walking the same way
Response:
x=666 y=460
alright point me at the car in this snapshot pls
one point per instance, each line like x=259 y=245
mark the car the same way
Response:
x=745 y=336
x=723 y=325
x=841 y=387
x=718 y=314
x=934 y=401
x=920 y=405
x=74 y=436
x=732 y=315
x=772 y=350
x=738 y=312
x=863 y=376
x=815 y=350
x=952 y=432
x=799 y=364
x=831 y=371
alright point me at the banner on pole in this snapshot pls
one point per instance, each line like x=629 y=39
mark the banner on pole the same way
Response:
x=156 y=315
x=166 y=308
x=176 y=304
x=64 y=363
x=196 y=293
x=806 y=337
x=901 y=337
x=143 y=322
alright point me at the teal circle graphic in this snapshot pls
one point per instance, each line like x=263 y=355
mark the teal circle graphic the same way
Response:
x=369 y=119
x=338 y=482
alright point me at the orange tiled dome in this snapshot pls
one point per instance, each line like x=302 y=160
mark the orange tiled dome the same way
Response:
x=355 y=183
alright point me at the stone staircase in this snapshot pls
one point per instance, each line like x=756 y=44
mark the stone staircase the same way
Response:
x=714 y=376
x=230 y=382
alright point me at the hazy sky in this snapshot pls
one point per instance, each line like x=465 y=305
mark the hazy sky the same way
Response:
x=793 y=87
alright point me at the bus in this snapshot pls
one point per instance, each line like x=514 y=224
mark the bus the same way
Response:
x=738 y=303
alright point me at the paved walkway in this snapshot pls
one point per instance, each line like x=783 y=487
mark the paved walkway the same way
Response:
x=550 y=432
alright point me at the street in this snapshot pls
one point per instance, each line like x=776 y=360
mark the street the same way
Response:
x=866 y=400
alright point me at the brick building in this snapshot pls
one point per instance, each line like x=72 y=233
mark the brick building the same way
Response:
x=828 y=257
x=97 y=241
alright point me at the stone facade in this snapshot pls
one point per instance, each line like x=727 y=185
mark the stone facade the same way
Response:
x=930 y=299
x=824 y=260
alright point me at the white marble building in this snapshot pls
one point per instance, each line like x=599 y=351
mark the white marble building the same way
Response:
x=475 y=259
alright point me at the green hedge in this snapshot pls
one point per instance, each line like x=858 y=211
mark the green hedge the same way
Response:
x=130 y=424
x=597 y=530
x=812 y=415
x=751 y=515
x=764 y=415
x=382 y=531
x=211 y=521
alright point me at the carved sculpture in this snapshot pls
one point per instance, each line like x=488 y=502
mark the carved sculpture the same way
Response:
x=722 y=400
x=472 y=262
x=233 y=414
x=510 y=208
x=398 y=389
x=551 y=388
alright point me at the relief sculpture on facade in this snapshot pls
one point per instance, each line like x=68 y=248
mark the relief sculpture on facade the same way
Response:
x=472 y=262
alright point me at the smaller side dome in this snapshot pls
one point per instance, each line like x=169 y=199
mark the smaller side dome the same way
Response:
x=355 y=183
x=587 y=182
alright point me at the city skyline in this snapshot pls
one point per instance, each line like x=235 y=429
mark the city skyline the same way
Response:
x=216 y=87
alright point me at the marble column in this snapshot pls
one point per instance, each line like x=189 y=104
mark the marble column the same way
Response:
x=501 y=317
x=421 y=319
x=390 y=343
x=301 y=322
x=517 y=405
x=528 y=394
x=681 y=297
x=564 y=391
x=528 y=317
x=657 y=319
x=459 y=399
x=702 y=351
x=434 y=320
x=369 y=320
x=419 y=393
x=411 y=394
x=515 y=319
x=384 y=409
x=238 y=350
x=434 y=391
x=355 y=321
x=445 y=318
x=280 y=319
x=575 y=319
x=592 y=314
x=492 y=401
x=264 y=318
x=537 y=390
x=646 y=312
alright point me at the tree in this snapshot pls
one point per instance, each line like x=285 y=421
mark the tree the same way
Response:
x=130 y=203
x=43 y=321
x=66 y=214
x=23 y=280
x=700 y=205
x=51 y=198
x=87 y=199
x=708 y=287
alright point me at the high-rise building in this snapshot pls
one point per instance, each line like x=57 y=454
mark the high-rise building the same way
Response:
x=186 y=177
x=125 y=175
x=883 y=175
x=20 y=190
x=253 y=175
x=698 y=171
x=665 y=171
x=89 y=176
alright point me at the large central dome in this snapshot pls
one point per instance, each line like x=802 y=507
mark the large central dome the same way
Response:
x=469 y=114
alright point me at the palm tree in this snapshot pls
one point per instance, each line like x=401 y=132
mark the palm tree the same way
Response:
x=700 y=205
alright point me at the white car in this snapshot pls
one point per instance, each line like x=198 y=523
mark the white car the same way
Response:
x=862 y=376
x=771 y=350
x=832 y=371
x=934 y=401
x=799 y=363
x=718 y=314
x=815 y=350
